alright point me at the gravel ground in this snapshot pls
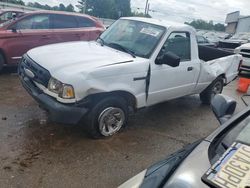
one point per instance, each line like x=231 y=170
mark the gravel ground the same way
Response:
x=37 y=153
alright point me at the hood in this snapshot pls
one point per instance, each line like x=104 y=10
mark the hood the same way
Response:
x=77 y=55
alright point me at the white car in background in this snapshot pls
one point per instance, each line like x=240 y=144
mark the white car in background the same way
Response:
x=244 y=50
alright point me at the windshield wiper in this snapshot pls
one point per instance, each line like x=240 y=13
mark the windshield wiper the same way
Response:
x=102 y=42
x=115 y=45
x=224 y=145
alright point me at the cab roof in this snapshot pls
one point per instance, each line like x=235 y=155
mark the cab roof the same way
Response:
x=10 y=10
x=159 y=22
x=58 y=12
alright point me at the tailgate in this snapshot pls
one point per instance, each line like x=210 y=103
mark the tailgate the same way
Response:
x=227 y=65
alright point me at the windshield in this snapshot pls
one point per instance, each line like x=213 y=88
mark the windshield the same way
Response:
x=239 y=133
x=138 y=37
x=11 y=20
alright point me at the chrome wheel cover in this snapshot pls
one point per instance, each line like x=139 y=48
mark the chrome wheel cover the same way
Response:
x=111 y=121
x=217 y=88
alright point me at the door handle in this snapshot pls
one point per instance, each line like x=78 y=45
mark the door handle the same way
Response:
x=190 y=68
x=79 y=35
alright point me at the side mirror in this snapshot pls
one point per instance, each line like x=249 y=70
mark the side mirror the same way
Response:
x=168 y=58
x=223 y=107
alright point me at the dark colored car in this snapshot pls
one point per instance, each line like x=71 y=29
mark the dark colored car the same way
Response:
x=8 y=14
x=41 y=28
x=220 y=160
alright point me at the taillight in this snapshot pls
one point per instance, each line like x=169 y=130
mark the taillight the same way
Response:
x=241 y=61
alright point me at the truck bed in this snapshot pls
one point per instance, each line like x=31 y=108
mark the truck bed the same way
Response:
x=209 y=53
x=218 y=62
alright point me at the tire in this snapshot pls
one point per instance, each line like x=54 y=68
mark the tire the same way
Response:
x=215 y=88
x=1 y=62
x=110 y=110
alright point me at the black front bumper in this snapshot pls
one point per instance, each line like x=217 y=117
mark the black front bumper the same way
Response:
x=58 y=112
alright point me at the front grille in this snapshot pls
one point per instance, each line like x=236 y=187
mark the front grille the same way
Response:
x=41 y=75
x=245 y=53
x=245 y=50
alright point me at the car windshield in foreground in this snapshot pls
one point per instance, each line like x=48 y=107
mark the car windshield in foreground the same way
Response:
x=134 y=37
x=239 y=133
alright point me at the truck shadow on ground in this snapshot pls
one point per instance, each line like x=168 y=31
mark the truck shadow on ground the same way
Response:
x=30 y=139
x=38 y=144
x=175 y=119
x=9 y=70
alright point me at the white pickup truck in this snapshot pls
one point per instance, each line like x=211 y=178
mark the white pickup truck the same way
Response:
x=135 y=63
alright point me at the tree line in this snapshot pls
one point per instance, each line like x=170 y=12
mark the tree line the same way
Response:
x=60 y=7
x=204 y=25
x=105 y=8
x=112 y=9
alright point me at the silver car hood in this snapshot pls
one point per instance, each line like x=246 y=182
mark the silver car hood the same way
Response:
x=189 y=173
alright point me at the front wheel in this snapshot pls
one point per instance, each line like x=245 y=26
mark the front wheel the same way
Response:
x=107 y=117
x=215 y=88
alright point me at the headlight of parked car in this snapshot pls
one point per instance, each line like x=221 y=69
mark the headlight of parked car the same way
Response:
x=64 y=91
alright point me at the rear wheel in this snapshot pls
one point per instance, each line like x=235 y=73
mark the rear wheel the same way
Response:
x=107 y=117
x=215 y=88
x=1 y=62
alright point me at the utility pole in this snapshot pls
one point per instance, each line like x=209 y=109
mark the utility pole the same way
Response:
x=85 y=7
x=146 y=8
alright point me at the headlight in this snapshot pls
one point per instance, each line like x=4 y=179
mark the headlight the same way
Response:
x=64 y=91
x=67 y=92
x=55 y=86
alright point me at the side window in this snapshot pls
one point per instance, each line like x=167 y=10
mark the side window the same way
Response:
x=84 y=22
x=206 y=41
x=34 y=22
x=64 y=21
x=6 y=16
x=201 y=40
x=178 y=43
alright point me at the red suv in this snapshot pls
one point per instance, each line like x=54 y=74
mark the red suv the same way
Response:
x=41 y=28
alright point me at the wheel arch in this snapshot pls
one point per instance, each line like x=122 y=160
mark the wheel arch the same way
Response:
x=4 y=56
x=129 y=97
x=224 y=78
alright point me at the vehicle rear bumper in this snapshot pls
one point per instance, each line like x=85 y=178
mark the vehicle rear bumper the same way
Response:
x=58 y=112
x=245 y=65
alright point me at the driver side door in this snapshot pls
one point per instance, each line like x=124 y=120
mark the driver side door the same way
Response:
x=31 y=31
x=168 y=82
